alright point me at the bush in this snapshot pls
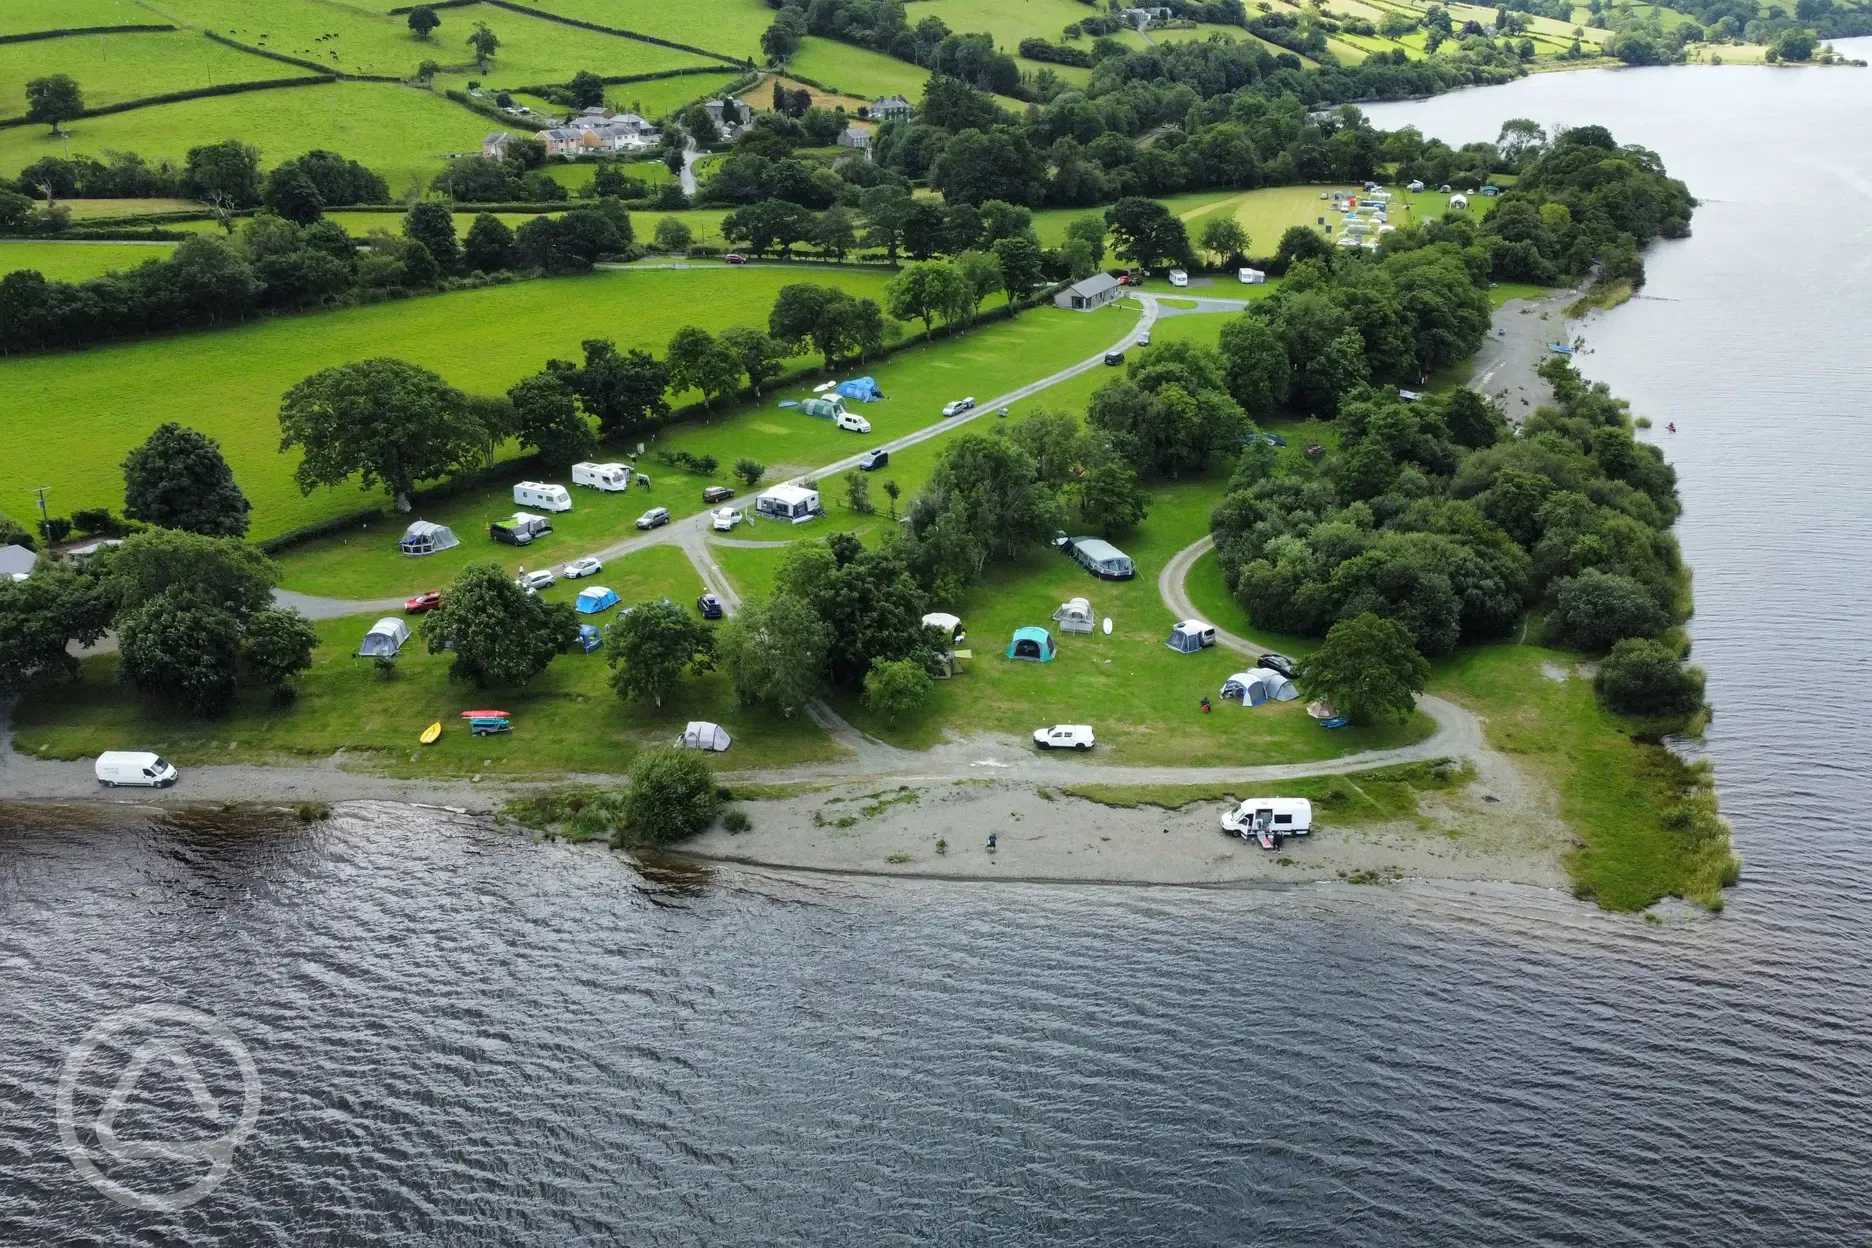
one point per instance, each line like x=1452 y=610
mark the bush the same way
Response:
x=736 y=821
x=1645 y=677
x=96 y=521
x=750 y=471
x=672 y=796
x=55 y=528
x=1595 y=609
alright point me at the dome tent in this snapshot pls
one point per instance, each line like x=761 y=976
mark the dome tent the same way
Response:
x=385 y=638
x=593 y=599
x=1031 y=644
x=864 y=389
x=1262 y=684
x=702 y=735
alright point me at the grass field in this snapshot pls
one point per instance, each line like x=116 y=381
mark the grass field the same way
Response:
x=733 y=27
x=568 y=720
x=1141 y=697
x=74 y=262
x=115 y=68
x=857 y=72
x=92 y=209
x=70 y=418
x=365 y=562
x=403 y=133
x=20 y=16
x=703 y=223
x=662 y=96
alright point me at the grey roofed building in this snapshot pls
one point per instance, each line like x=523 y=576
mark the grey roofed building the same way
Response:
x=17 y=561
x=494 y=147
x=1094 y=292
x=855 y=137
x=890 y=108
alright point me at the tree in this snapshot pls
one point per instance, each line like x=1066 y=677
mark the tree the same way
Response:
x=423 y=21
x=432 y=224
x=42 y=617
x=1145 y=231
x=697 y=362
x=923 y=229
x=1022 y=267
x=672 y=795
x=547 y=417
x=927 y=290
x=1368 y=669
x=885 y=209
x=1645 y=677
x=179 y=480
x=858 y=492
x=1110 y=498
x=392 y=422
x=756 y=353
x=484 y=42
x=489 y=247
x=833 y=232
x=650 y=647
x=280 y=643
x=894 y=688
x=228 y=171
x=982 y=272
x=293 y=196
x=1258 y=368
x=893 y=491
x=749 y=471
x=1090 y=230
x=1224 y=239
x=700 y=126
x=54 y=100
x=499 y=634
x=673 y=236
x=233 y=576
x=625 y=392
x=782 y=39
x=427 y=70
x=831 y=320
x=774 y=651
x=1298 y=243
x=586 y=90
x=1595 y=609
x=182 y=647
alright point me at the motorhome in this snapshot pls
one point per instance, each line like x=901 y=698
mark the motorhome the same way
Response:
x=612 y=477
x=1281 y=816
x=543 y=496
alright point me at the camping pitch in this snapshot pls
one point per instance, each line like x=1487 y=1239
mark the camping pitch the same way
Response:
x=1031 y=644
x=385 y=638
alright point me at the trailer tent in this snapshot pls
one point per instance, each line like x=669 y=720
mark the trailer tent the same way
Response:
x=1032 y=644
x=593 y=599
x=423 y=538
x=789 y=502
x=702 y=735
x=864 y=389
x=385 y=638
x=950 y=625
x=1076 y=616
x=1190 y=636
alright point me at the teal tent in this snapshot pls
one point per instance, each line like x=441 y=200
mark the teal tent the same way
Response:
x=1032 y=644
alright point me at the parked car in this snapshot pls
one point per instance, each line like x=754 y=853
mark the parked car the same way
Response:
x=724 y=520
x=1144 y=339
x=150 y=771
x=587 y=566
x=852 y=421
x=1064 y=737
x=1114 y=357
x=874 y=459
x=735 y=257
x=717 y=493
x=656 y=517
x=1277 y=663
x=710 y=607
x=536 y=581
x=428 y=600
x=958 y=407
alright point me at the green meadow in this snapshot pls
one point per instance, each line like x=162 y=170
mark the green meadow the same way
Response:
x=114 y=68
x=733 y=27
x=74 y=262
x=21 y=16
x=857 y=71
x=71 y=417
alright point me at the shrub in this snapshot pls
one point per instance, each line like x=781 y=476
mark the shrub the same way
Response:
x=672 y=796
x=750 y=471
x=55 y=528
x=1595 y=609
x=736 y=821
x=1644 y=677
x=96 y=521
x=896 y=687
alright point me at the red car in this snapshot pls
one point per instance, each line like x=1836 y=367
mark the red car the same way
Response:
x=735 y=257
x=427 y=601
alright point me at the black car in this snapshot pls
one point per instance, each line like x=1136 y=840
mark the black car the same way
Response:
x=717 y=494
x=873 y=460
x=710 y=607
x=1279 y=663
x=1114 y=357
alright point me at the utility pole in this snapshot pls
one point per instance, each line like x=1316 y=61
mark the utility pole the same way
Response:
x=45 y=521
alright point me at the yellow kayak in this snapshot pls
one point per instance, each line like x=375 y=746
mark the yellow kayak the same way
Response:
x=431 y=733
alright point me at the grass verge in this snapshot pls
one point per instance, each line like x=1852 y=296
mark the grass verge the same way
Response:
x=1382 y=796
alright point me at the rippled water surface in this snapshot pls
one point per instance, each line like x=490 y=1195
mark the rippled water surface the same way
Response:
x=466 y=1038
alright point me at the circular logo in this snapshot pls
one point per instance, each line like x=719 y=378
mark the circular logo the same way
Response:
x=160 y=1041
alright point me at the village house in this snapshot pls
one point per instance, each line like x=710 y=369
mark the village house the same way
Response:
x=1094 y=292
x=494 y=147
x=855 y=138
x=890 y=108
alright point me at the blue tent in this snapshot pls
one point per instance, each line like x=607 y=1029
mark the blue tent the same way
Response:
x=589 y=638
x=595 y=599
x=864 y=389
x=1032 y=644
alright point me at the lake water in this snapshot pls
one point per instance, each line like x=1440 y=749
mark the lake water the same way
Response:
x=465 y=1038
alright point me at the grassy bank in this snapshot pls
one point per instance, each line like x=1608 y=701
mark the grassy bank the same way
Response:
x=1381 y=796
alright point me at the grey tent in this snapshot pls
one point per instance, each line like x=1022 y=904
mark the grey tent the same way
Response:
x=702 y=735
x=16 y=561
x=423 y=538
x=1189 y=636
x=385 y=638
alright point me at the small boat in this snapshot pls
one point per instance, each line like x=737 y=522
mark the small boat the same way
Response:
x=484 y=714
x=789 y=402
x=1559 y=348
x=431 y=734
x=1337 y=721
x=823 y=387
x=1671 y=428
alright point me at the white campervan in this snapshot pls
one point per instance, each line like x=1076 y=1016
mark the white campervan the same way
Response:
x=611 y=477
x=1178 y=277
x=150 y=771
x=545 y=497
x=1282 y=816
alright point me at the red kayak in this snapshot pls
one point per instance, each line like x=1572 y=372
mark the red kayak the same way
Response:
x=484 y=715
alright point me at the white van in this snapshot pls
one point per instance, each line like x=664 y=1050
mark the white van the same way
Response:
x=545 y=497
x=852 y=422
x=151 y=771
x=1178 y=277
x=613 y=477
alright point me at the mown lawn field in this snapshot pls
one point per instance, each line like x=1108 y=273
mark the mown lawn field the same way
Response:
x=733 y=27
x=568 y=720
x=70 y=417
x=855 y=71
x=364 y=562
x=1142 y=698
x=114 y=68
x=20 y=16
x=403 y=133
x=74 y=262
